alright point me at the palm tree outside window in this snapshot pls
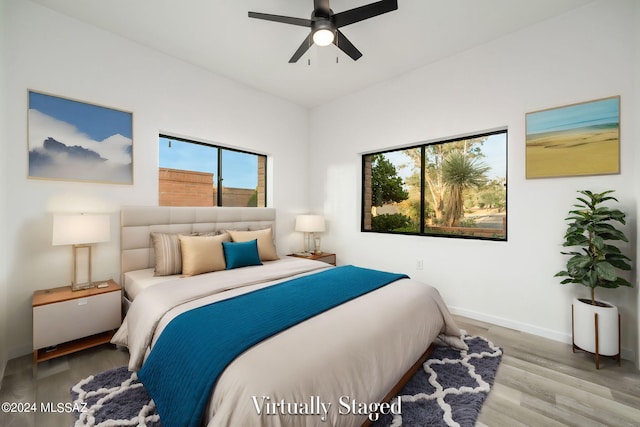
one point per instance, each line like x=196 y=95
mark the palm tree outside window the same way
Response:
x=449 y=188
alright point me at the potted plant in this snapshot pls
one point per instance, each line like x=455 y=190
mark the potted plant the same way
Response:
x=592 y=229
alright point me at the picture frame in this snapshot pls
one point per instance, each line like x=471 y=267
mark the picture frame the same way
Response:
x=73 y=140
x=574 y=140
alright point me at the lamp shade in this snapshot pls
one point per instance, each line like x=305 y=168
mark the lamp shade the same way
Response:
x=80 y=229
x=310 y=223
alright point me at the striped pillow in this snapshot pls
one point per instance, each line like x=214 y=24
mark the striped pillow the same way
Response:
x=168 y=254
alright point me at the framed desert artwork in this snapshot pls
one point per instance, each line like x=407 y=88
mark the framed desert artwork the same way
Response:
x=574 y=140
x=77 y=141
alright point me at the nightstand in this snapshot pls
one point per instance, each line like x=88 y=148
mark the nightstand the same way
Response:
x=66 y=321
x=327 y=257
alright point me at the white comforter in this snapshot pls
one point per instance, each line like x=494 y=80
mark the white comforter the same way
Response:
x=355 y=352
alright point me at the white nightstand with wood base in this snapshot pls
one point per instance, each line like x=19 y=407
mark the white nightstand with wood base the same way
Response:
x=66 y=321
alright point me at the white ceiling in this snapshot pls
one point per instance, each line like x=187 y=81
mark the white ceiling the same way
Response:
x=218 y=35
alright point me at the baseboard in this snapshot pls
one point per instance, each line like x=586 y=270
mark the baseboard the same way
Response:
x=627 y=353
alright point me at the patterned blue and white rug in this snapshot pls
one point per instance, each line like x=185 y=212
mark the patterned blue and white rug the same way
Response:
x=448 y=391
x=450 y=388
x=113 y=398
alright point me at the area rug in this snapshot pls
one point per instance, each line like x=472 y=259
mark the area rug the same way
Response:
x=448 y=391
x=450 y=388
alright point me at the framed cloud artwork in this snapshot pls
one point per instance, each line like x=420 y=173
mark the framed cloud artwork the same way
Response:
x=76 y=141
x=574 y=140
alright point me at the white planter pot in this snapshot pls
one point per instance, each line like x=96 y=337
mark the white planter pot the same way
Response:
x=584 y=330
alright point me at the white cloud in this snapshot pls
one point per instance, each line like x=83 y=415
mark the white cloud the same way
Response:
x=116 y=148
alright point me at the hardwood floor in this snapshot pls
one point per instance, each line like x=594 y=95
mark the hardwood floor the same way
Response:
x=52 y=384
x=539 y=383
x=543 y=383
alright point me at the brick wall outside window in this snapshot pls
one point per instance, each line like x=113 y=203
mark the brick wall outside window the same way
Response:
x=188 y=188
x=185 y=188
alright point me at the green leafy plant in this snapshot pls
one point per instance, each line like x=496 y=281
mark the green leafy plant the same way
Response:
x=390 y=222
x=592 y=228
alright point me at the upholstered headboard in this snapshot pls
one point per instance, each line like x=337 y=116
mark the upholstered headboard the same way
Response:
x=137 y=222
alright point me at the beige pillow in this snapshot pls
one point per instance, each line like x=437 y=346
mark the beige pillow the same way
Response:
x=266 y=248
x=202 y=254
x=167 y=251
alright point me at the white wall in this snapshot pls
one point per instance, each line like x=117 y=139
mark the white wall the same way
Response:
x=3 y=196
x=636 y=73
x=583 y=55
x=50 y=52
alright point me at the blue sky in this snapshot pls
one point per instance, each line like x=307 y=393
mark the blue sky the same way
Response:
x=494 y=149
x=240 y=170
x=601 y=112
x=97 y=122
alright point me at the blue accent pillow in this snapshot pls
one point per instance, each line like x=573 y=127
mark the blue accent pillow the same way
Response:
x=241 y=254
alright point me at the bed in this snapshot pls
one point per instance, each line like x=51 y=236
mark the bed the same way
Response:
x=330 y=369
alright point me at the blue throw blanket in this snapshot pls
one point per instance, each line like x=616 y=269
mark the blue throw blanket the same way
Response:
x=197 y=346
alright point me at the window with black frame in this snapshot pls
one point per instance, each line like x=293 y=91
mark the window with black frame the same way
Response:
x=450 y=188
x=193 y=173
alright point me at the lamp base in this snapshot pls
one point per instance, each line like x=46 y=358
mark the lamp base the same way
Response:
x=75 y=286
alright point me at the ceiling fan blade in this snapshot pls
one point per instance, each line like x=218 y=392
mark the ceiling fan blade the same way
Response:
x=302 y=49
x=346 y=46
x=279 y=18
x=364 y=12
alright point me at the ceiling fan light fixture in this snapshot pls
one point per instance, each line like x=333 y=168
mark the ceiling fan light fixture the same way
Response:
x=325 y=24
x=323 y=37
x=323 y=33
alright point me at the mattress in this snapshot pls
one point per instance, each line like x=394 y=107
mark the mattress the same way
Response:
x=138 y=280
x=354 y=353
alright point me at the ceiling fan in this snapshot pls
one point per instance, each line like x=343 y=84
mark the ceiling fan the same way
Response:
x=324 y=24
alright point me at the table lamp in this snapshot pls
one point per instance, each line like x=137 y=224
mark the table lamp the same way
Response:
x=80 y=231
x=309 y=225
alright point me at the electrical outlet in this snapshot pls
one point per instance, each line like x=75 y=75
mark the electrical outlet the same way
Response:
x=418 y=264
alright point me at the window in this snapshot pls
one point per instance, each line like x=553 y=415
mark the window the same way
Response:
x=452 y=188
x=191 y=173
